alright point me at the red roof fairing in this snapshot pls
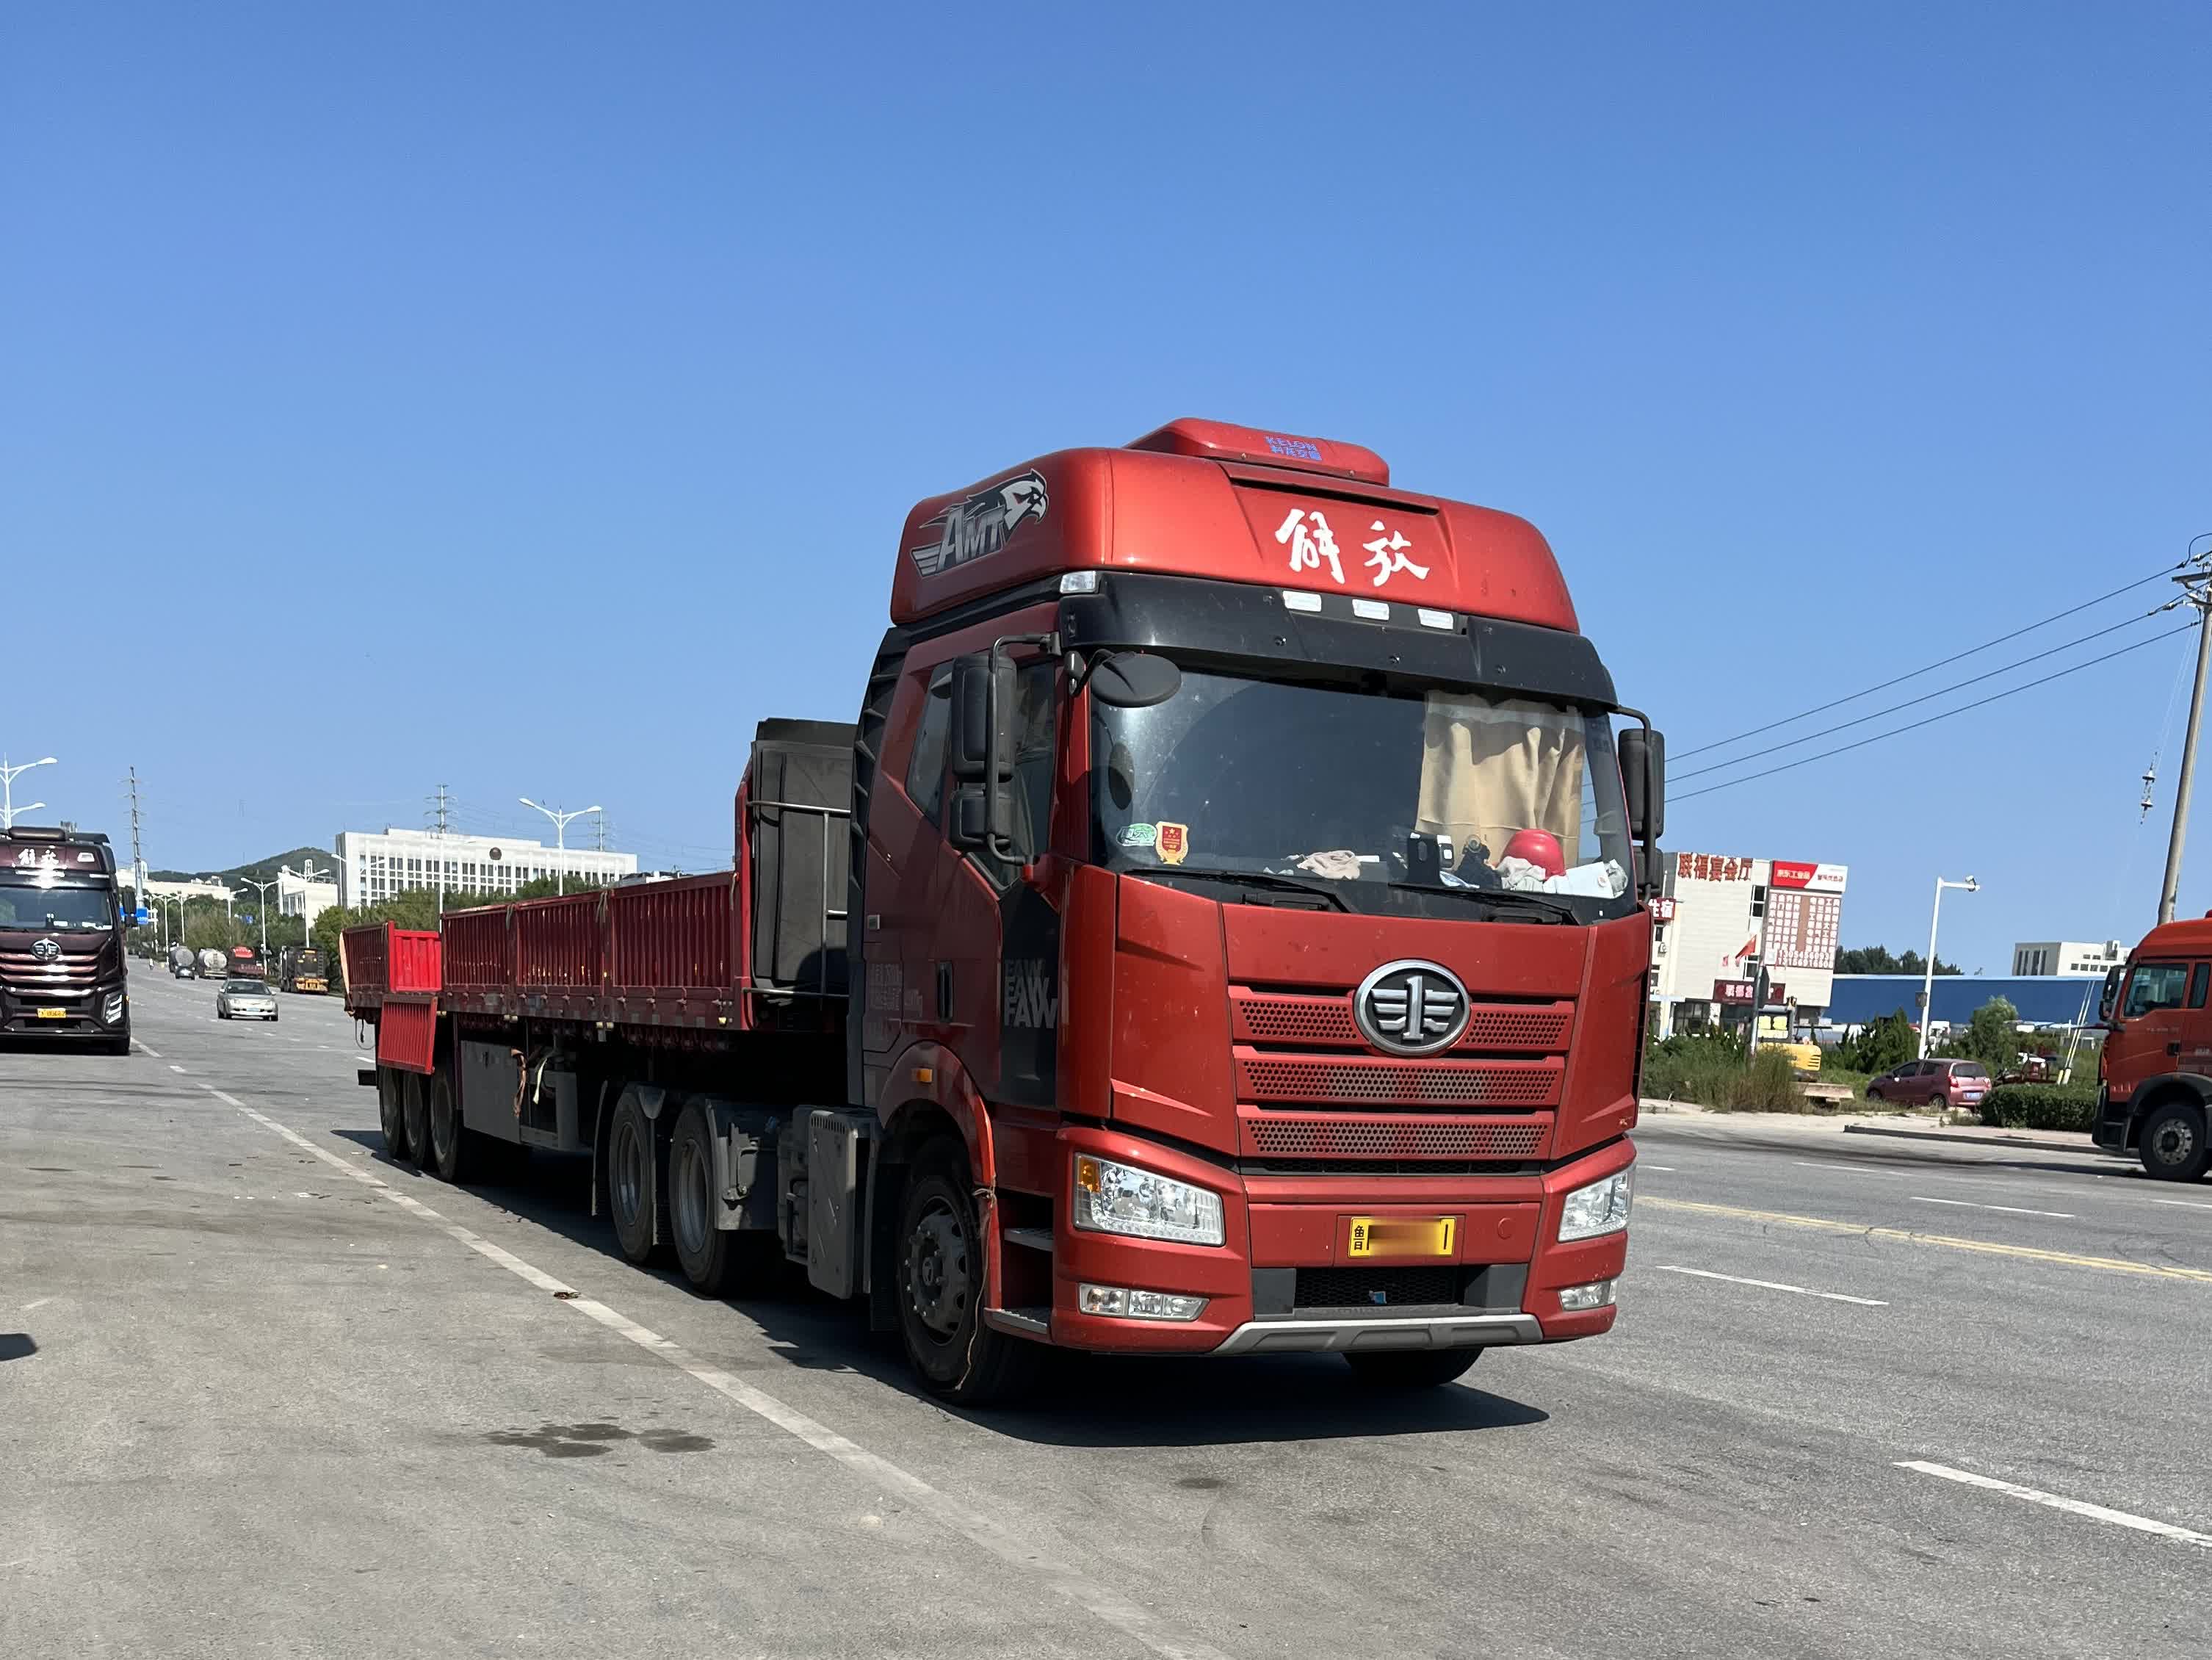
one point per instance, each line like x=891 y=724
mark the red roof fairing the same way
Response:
x=1194 y=499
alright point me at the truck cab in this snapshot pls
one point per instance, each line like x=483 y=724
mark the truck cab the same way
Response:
x=2154 y=1071
x=1246 y=874
x=62 y=971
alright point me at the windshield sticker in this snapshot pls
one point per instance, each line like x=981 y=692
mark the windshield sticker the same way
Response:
x=980 y=525
x=1140 y=835
x=1172 y=842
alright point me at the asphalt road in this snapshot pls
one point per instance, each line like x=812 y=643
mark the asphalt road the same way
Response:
x=262 y=1392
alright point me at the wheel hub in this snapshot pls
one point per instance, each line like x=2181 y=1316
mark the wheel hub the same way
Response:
x=2173 y=1142
x=937 y=1271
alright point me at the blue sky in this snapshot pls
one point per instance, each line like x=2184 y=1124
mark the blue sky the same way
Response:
x=527 y=398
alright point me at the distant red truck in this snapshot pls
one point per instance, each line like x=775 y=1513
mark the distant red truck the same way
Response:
x=1219 y=934
x=2154 y=1071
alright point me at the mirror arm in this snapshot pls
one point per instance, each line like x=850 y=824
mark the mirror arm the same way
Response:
x=994 y=786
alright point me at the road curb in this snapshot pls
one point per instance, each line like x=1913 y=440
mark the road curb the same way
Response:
x=1968 y=1140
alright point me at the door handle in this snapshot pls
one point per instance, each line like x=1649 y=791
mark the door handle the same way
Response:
x=945 y=991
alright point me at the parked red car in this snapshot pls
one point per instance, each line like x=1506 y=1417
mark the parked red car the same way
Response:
x=1938 y=1083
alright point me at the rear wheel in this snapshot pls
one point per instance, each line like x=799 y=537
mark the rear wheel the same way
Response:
x=1873 y=1092
x=450 y=1149
x=415 y=1114
x=940 y=1289
x=391 y=1111
x=703 y=1251
x=631 y=1196
x=2173 y=1146
x=1413 y=1369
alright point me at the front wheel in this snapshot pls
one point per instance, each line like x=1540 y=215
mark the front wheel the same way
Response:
x=1414 y=1369
x=940 y=1289
x=1873 y=1094
x=2172 y=1146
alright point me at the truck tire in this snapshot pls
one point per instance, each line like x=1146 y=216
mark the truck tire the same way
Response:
x=415 y=1116
x=2173 y=1147
x=391 y=1110
x=940 y=1289
x=1412 y=1369
x=452 y=1150
x=631 y=1198
x=703 y=1251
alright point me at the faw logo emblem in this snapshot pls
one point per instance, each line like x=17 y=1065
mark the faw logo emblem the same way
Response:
x=1411 y=1008
x=46 y=951
x=1032 y=998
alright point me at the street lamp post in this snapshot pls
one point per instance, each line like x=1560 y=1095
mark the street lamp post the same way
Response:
x=8 y=776
x=1928 y=983
x=561 y=822
x=261 y=904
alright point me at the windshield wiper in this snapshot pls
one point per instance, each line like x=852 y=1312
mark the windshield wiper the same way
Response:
x=1258 y=879
x=1503 y=898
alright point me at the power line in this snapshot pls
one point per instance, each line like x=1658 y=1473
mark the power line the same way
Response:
x=1929 y=720
x=1930 y=668
x=1940 y=692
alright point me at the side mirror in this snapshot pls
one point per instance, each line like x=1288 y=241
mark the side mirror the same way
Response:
x=982 y=723
x=1133 y=680
x=1644 y=781
x=969 y=827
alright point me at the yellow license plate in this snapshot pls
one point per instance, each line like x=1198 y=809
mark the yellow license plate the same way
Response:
x=53 y=1014
x=1391 y=1236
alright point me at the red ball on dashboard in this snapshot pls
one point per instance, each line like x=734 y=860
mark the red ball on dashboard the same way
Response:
x=1541 y=849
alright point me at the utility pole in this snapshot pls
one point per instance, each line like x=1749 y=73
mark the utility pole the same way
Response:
x=1928 y=982
x=599 y=834
x=441 y=833
x=261 y=893
x=137 y=858
x=8 y=776
x=2194 y=582
x=560 y=821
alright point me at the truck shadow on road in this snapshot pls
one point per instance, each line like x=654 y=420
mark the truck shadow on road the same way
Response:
x=1083 y=1401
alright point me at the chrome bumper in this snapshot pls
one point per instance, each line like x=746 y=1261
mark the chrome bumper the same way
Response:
x=1450 y=1331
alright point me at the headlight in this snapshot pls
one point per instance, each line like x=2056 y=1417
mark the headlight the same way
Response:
x=1600 y=1208
x=1111 y=1198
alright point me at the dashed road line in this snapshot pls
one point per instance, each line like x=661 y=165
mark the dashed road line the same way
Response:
x=1002 y=1540
x=173 y=1067
x=2118 y=1518
x=1774 y=1285
x=2016 y=1210
x=143 y=1049
x=1910 y=1237
x=2185 y=1204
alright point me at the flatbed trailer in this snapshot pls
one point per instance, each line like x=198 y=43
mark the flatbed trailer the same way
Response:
x=1100 y=986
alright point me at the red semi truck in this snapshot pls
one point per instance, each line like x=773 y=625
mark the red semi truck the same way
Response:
x=1220 y=933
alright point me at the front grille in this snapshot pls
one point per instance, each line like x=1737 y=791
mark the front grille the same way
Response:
x=1353 y=1288
x=1287 y=1136
x=1399 y=1083
x=22 y=972
x=1300 y=1018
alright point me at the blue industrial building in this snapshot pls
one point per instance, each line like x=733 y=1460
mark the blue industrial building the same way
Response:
x=2043 y=1000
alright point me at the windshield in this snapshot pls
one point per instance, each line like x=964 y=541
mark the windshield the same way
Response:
x=245 y=985
x=56 y=910
x=1446 y=790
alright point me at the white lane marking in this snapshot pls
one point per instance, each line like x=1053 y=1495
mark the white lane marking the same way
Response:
x=1015 y=1549
x=143 y=1049
x=173 y=1067
x=369 y=1058
x=40 y=1304
x=1773 y=1285
x=1669 y=1169
x=1968 y=1204
x=2120 y=1518
x=2185 y=1204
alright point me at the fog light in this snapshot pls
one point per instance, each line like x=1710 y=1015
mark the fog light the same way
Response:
x=1120 y=1302
x=1598 y=1294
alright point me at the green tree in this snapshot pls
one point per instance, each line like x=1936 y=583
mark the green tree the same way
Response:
x=1880 y=1044
x=1877 y=959
x=1992 y=1035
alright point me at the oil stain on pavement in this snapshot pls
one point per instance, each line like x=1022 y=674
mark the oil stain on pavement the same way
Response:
x=591 y=1440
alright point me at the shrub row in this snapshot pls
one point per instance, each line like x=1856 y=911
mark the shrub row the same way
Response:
x=2041 y=1107
x=1713 y=1071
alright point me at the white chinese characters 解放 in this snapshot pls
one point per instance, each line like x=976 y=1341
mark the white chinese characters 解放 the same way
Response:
x=1311 y=540
x=1387 y=555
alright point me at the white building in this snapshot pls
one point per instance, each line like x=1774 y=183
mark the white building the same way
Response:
x=1722 y=918
x=2066 y=957
x=304 y=894
x=374 y=865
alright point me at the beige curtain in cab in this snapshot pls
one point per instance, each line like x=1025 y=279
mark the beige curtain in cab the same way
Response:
x=1489 y=770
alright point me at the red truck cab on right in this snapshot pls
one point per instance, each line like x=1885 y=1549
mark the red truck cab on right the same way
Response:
x=2154 y=1071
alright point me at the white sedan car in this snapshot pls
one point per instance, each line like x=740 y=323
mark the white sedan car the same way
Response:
x=246 y=1000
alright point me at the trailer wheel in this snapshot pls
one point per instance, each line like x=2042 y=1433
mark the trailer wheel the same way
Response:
x=703 y=1250
x=2172 y=1144
x=451 y=1151
x=940 y=1289
x=391 y=1109
x=1415 y=1369
x=414 y=1115
x=631 y=1196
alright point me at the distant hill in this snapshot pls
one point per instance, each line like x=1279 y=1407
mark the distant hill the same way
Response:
x=261 y=870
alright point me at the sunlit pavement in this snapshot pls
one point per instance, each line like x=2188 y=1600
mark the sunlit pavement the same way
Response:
x=262 y=1392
